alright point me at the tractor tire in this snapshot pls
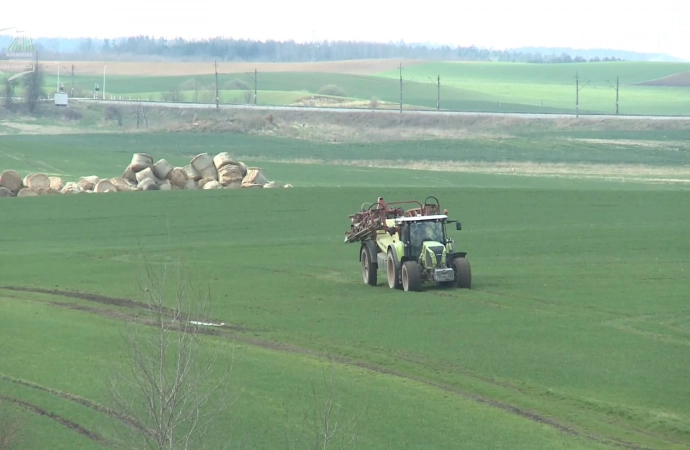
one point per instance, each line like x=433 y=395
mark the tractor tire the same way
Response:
x=393 y=275
x=463 y=273
x=411 y=277
x=368 y=268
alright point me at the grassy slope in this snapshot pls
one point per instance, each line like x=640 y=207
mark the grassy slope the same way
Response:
x=466 y=86
x=577 y=313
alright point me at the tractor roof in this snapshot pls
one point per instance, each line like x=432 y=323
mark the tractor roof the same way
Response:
x=421 y=218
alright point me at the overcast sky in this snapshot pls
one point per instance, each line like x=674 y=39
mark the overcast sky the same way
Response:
x=659 y=26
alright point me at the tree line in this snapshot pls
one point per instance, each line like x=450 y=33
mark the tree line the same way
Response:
x=228 y=49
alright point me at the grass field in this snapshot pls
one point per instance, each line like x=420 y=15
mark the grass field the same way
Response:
x=466 y=86
x=575 y=333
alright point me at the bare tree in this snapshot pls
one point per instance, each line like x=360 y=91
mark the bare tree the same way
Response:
x=173 y=388
x=327 y=428
x=9 y=87
x=11 y=426
x=33 y=86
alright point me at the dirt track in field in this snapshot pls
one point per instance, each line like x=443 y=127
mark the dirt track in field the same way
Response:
x=532 y=416
x=676 y=80
x=59 y=419
x=166 y=69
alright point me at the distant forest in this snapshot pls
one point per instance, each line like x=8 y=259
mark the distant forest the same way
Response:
x=225 y=49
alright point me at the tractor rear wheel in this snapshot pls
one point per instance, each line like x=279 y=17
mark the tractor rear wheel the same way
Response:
x=368 y=268
x=463 y=273
x=411 y=277
x=393 y=275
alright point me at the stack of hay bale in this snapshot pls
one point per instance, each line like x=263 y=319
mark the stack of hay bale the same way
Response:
x=143 y=174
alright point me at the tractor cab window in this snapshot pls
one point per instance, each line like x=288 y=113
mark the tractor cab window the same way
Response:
x=425 y=231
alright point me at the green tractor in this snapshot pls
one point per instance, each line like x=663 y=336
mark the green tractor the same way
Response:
x=411 y=245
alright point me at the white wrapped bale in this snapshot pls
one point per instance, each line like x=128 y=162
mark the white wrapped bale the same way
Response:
x=252 y=185
x=177 y=177
x=230 y=176
x=147 y=174
x=222 y=159
x=140 y=161
x=165 y=185
x=121 y=185
x=88 y=183
x=129 y=175
x=204 y=165
x=10 y=180
x=147 y=184
x=4 y=192
x=189 y=185
x=287 y=186
x=104 y=186
x=56 y=183
x=161 y=169
x=255 y=175
x=37 y=181
x=192 y=173
x=271 y=185
x=213 y=184
x=26 y=192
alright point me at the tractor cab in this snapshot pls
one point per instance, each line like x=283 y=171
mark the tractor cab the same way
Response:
x=425 y=231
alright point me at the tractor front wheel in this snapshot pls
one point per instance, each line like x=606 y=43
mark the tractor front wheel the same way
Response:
x=463 y=273
x=393 y=275
x=411 y=277
x=368 y=268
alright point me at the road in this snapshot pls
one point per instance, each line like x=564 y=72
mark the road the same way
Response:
x=373 y=111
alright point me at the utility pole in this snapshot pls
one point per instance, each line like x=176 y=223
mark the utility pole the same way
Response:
x=437 y=83
x=253 y=78
x=401 y=86
x=215 y=66
x=72 y=74
x=616 y=88
x=577 y=94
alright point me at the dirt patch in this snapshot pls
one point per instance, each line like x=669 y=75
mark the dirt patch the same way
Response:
x=13 y=128
x=676 y=80
x=637 y=173
x=61 y=420
x=167 y=69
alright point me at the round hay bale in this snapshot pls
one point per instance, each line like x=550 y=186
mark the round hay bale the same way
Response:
x=48 y=191
x=212 y=184
x=72 y=188
x=177 y=177
x=189 y=185
x=147 y=184
x=88 y=183
x=161 y=169
x=11 y=181
x=287 y=186
x=145 y=175
x=25 y=180
x=121 y=184
x=255 y=175
x=4 y=192
x=166 y=185
x=56 y=183
x=26 y=192
x=201 y=183
x=204 y=165
x=230 y=175
x=252 y=185
x=140 y=161
x=271 y=185
x=129 y=175
x=243 y=168
x=192 y=173
x=103 y=186
x=37 y=181
x=222 y=159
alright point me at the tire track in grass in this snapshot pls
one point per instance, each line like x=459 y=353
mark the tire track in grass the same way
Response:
x=59 y=419
x=218 y=331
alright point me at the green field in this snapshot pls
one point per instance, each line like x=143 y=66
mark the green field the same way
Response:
x=466 y=86
x=575 y=333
